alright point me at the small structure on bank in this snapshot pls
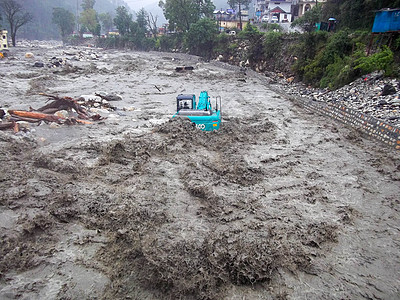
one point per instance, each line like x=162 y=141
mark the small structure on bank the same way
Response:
x=326 y=26
x=386 y=24
x=3 y=40
x=387 y=20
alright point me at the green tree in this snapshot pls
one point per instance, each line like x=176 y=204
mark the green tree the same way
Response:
x=201 y=37
x=206 y=8
x=15 y=16
x=308 y=20
x=240 y=4
x=137 y=36
x=272 y=44
x=382 y=60
x=88 y=4
x=65 y=20
x=88 y=18
x=182 y=13
x=106 y=21
x=338 y=46
x=123 y=20
x=255 y=51
x=89 y=21
x=141 y=19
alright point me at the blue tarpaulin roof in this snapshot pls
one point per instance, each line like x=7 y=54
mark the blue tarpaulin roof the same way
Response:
x=387 y=20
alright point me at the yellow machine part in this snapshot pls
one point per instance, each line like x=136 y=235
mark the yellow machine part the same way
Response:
x=1 y=55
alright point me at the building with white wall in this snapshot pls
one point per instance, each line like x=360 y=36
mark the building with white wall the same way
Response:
x=285 y=10
x=3 y=40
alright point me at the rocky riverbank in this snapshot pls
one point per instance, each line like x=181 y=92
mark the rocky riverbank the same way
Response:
x=372 y=94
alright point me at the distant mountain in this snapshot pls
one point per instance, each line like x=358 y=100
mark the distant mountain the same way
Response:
x=42 y=27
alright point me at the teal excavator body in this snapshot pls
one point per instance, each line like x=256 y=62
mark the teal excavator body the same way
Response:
x=201 y=113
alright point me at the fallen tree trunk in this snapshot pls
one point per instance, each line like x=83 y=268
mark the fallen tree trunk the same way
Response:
x=35 y=115
x=73 y=121
x=45 y=113
x=19 y=118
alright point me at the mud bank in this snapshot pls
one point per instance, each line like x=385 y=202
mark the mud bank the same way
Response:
x=279 y=204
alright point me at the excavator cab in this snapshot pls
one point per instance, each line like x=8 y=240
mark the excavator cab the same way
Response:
x=185 y=102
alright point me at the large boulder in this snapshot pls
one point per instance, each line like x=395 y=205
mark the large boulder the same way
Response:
x=388 y=89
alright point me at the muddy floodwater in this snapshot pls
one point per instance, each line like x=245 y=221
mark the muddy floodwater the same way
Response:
x=278 y=204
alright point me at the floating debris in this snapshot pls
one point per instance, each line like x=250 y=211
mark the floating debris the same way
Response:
x=62 y=110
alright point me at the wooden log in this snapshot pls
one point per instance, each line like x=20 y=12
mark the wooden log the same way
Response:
x=83 y=122
x=35 y=115
x=73 y=121
x=18 y=118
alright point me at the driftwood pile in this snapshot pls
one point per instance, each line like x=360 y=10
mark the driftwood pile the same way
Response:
x=62 y=110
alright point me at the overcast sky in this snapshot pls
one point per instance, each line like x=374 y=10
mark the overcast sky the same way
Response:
x=138 y=4
x=152 y=6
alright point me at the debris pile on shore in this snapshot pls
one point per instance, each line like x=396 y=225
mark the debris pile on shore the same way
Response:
x=62 y=110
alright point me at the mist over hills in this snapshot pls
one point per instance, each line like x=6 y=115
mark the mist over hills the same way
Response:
x=42 y=28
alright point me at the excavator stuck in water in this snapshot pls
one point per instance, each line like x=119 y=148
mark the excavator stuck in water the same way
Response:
x=201 y=113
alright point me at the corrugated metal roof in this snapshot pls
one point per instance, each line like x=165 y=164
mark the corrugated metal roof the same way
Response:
x=386 y=20
x=388 y=9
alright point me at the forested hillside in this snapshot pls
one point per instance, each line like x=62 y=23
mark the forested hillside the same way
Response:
x=42 y=27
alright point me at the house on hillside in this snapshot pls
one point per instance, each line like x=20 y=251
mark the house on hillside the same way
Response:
x=3 y=40
x=279 y=9
x=280 y=15
x=229 y=19
x=284 y=10
x=302 y=6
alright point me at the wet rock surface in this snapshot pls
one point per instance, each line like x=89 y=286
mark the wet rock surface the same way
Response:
x=278 y=204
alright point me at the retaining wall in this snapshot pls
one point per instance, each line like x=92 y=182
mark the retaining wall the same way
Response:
x=374 y=128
